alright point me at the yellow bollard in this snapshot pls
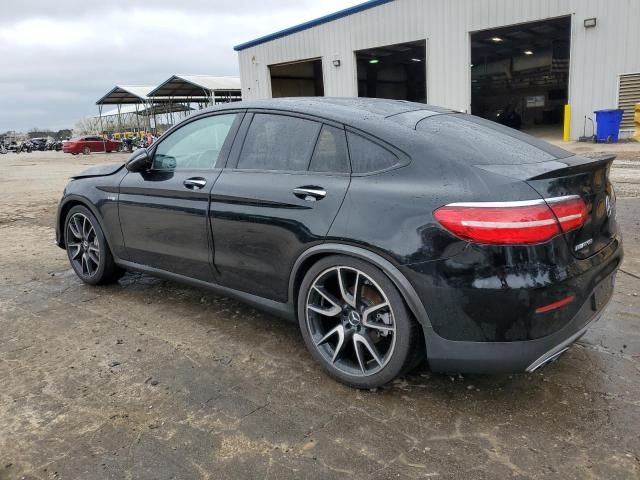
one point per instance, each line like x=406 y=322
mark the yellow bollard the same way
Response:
x=637 y=121
x=567 y=122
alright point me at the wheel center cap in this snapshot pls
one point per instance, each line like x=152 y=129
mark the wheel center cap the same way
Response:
x=85 y=244
x=354 y=318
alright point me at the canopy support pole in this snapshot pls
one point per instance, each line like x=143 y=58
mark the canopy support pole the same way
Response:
x=119 y=117
x=104 y=146
x=137 y=119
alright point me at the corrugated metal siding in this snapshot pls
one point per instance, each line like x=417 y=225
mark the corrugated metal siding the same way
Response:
x=598 y=55
x=628 y=97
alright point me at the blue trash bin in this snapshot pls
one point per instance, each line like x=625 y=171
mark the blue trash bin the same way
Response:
x=608 y=125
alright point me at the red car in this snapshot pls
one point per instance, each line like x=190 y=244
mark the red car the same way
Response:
x=86 y=145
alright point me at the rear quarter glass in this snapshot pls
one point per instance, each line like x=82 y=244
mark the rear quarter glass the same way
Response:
x=477 y=141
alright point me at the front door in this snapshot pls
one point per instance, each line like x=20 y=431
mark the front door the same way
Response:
x=279 y=196
x=164 y=211
x=95 y=144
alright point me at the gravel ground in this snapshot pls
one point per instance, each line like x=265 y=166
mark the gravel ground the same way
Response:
x=150 y=379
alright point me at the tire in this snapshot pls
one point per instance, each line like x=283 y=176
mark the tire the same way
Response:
x=87 y=248
x=86 y=151
x=364 y=350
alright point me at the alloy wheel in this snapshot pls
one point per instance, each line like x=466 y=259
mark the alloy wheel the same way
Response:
x=83 y=245
x=351 y=321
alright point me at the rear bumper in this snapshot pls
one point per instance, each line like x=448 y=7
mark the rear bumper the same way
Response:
x=507 y=357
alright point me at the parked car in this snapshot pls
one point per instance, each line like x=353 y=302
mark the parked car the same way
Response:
x=25 y=147
x=86 y=145
x=39 y=144
x=388 y=230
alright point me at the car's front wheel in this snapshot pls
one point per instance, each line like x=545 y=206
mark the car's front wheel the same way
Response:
x=86 y=151
x=87 y=248
x=355 y=323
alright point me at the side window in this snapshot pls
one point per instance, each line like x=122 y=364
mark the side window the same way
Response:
x=367 y=156
x=196 y=145
x=278 y=142
x=330 y=154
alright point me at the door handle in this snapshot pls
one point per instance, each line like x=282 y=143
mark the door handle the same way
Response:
x=195 y=183
x=310 y=194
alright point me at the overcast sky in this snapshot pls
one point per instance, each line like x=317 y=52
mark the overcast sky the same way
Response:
x=57 y=57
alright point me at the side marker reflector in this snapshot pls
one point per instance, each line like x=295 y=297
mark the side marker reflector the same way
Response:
x=554 y=305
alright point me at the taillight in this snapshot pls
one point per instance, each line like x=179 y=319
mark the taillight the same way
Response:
x=571 y=212
x=513 y=223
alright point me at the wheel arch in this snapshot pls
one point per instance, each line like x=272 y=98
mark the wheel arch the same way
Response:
x=313 y=254
x=70 y=202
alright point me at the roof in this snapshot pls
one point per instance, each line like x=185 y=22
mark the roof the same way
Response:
x=364 y=113
x=114 y=111
x=313 y=23
x=195 y=86
x=121 y=94
x=158 y=109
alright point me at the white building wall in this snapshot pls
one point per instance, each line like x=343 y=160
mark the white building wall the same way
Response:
x=598 y=55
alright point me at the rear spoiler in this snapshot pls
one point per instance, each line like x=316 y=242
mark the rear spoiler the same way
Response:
x=578 y=165
x=554 y=168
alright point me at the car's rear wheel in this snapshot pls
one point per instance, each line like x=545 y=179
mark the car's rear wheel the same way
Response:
x=355 y=323
x=86 y=151
x=87 y=248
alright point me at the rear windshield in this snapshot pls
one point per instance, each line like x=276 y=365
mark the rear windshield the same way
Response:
x=482 y=142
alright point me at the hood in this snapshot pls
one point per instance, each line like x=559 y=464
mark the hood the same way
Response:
x=99 y=170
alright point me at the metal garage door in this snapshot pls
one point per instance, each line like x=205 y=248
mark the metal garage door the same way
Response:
x=628 y=96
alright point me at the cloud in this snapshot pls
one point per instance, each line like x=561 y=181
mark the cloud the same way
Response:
x=59 y=57
x=44 y=33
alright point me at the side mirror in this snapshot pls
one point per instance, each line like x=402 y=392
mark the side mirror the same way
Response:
x=139 y=161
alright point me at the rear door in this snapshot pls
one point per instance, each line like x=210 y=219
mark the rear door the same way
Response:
x=164 y=211
x=285 y=182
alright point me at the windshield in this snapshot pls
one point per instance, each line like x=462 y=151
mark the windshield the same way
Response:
x=482 y=142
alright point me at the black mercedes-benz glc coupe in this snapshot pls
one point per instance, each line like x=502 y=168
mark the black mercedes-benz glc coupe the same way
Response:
x=388 y=230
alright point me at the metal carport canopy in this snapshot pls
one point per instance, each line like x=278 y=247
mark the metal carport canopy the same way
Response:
x=196 y=87
x=126 y=94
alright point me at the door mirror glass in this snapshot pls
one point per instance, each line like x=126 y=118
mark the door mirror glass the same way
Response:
x=139 y=161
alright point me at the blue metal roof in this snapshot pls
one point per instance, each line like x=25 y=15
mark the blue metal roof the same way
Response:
x=312 y=23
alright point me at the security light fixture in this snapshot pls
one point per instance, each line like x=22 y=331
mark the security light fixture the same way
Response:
x=590 y=22
x=496 y=39
x=528 y=52
x=416 y=59
x=373 y=61
x=336 y=63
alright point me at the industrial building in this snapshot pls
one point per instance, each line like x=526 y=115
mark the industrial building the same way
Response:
x=524 y=59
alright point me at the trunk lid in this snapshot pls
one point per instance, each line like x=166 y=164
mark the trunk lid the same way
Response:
x=587 y=177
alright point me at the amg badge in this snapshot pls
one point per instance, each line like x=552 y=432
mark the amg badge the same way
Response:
x=584 y=244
